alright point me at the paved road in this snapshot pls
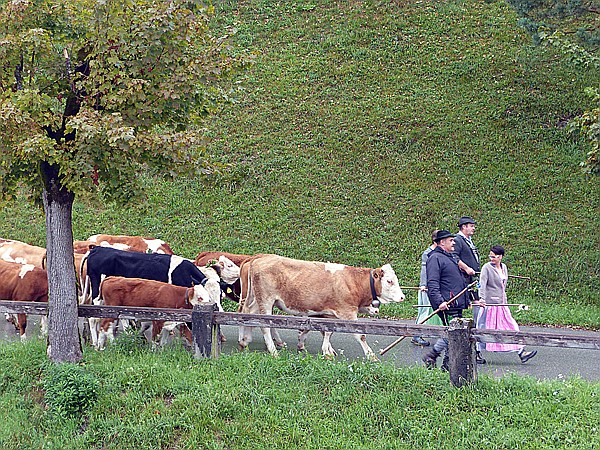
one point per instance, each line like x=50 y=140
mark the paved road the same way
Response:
x=550 y=362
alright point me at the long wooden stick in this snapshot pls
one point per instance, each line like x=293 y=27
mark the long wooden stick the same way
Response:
x=476 y=304
x=414 y=288
x=499 y=304
x=397 y=341
x=513 y=276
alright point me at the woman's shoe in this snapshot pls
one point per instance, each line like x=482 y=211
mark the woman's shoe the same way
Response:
x=526 y=356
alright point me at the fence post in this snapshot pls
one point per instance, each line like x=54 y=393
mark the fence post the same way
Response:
x=461 y=349
x=206 y=336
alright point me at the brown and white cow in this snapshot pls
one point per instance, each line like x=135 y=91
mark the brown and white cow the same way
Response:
x=317 y=289
x=23 y=282
x=127 y=243
x=120 y=291
x=22 y=253
x=205 y=258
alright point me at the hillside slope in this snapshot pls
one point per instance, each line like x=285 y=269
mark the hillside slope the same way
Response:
x=365 y=125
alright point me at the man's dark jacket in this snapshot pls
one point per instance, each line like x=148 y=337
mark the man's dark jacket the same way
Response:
x=464 y=253
x=445 y=280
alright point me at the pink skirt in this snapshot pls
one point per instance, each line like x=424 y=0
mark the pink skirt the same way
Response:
x=500 y=318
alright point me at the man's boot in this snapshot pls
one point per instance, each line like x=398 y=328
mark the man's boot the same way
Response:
x=480 y=359
x=430 y=359
x=445 y=367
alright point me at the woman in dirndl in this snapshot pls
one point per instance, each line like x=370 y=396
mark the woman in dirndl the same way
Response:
x=492 y=291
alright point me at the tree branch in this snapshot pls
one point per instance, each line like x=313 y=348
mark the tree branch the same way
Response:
x=19 y=75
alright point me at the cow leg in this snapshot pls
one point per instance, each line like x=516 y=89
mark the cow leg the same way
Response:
x=244 y=337
x=326 y=347
x=144 y=327
x=12 y=318
x=44 y=326
x=277 y=338
x=107 y=330
x=301 y=339
x=22 y=325
x=168 y=330
x=269 y=341
x=186 y=333
x=362 y=340
x=164 y=329
x=94 y=324
x=84 y=329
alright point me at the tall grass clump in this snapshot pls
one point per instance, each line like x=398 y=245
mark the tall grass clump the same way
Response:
x=69 y=390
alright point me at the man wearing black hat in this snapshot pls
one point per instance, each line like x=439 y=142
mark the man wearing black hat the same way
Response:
x=444 y=281
x=465 y=249
x=468 y=260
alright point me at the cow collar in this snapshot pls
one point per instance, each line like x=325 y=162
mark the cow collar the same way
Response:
x=374 y=300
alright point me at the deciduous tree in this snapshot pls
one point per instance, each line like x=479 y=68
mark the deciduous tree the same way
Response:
x=92 y=94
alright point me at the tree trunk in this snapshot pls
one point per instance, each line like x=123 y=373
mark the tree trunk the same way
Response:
x=64 y=344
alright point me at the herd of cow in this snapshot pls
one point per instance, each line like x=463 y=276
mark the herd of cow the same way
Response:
x=144 y=272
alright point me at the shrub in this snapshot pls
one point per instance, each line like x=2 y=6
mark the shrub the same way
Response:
x=69 y=389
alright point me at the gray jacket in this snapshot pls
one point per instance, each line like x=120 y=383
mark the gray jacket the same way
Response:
x=491 y=288
x=424 y=256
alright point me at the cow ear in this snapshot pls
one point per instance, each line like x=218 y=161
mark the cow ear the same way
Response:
x=376 y=274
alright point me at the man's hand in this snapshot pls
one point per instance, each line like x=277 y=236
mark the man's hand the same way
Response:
x=466 y=269
x=443 y=306
x=422 y=288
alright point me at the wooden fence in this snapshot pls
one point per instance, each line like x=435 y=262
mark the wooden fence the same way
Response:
x=206 y=321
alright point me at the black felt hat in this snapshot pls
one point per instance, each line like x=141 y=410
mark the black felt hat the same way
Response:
x=443 y=234
x=465 y=220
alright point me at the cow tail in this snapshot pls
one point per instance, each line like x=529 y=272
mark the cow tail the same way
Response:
x=248 y=299
x=244 y=268
x=86 y=282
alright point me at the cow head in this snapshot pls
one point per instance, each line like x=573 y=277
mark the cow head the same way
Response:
x=209 y=293
x=230 y=272
x=390 y=288
x=198 y=294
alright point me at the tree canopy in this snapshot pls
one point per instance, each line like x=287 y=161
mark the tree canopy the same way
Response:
x=102 y=90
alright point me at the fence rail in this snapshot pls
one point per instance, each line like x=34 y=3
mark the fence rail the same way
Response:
x=206 y=322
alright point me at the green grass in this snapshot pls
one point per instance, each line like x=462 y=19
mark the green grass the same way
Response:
x=247 y=400
x=365 y=125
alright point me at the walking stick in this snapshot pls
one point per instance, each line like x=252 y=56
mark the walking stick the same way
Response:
x=414 y=288
x=397 y=341
x=477 y=304
x=512 y=276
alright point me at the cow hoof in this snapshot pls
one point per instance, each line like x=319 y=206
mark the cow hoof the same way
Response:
x=373 y=358
x=280 y=345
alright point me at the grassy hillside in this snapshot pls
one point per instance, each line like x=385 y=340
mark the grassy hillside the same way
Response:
x=365 y=125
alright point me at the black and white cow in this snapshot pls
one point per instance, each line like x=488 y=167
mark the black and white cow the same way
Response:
x=102 y=262
x=172 y=269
